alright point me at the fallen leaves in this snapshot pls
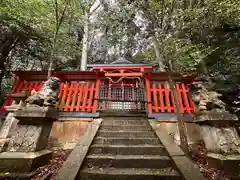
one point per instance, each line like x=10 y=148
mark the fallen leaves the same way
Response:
x=198 y=153
x=51 y=169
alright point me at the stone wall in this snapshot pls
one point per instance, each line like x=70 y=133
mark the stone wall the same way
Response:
x=171 y=126
x=66 y=132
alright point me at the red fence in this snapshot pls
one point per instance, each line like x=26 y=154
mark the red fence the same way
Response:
x=79 y=96
x=162 y=99
x=79 y=91
x=75 y=96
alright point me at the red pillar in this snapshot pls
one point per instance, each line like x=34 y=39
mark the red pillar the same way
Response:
x=148 y=88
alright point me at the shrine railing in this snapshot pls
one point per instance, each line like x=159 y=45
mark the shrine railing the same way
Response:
x=160 y=98
x=79 y=92
x=163 y=100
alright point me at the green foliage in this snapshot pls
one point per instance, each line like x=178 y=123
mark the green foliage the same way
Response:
x=195 y=33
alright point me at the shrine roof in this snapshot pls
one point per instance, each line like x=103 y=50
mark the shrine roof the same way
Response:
x=118 y=65
x=121 y=60
x=176 y=76
x=64 y=75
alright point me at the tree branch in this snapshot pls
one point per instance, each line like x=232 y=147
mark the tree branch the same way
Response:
x=58 y=24
x=90 y=13
x=92 y=3
x=56 y=12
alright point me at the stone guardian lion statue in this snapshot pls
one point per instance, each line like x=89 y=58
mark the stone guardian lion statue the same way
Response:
x=47 y=95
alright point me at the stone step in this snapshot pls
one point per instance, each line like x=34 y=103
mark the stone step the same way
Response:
x=128 y=150
x=125 y=122
x=105 y=114
x=125 y=118
x=126 y=141
x=129 y=134
x=125 y=128
x=128 y=174
x=128 y=161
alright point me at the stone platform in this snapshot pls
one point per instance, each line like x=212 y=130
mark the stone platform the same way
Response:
x=23 y=162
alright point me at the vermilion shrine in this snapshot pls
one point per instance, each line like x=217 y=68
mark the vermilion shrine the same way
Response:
x=120 y=86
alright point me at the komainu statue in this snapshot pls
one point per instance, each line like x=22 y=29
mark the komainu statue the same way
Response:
x=47 y=95
x=205 y=98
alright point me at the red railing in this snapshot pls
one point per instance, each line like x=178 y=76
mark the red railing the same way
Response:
x=162 y=99
x=78 y=96
x=78 y=90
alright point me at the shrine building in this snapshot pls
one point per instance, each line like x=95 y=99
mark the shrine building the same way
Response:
x=119 y=87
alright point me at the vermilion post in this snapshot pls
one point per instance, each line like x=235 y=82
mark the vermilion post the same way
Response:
x=69 y=97
x=74 y=97
x=80 y=95
x=149 y=99
x=65 y=91
x=155 y=98
x=86 y=89
x=166 y=92
x=96 y=95
x=160 y=91
x=90 y=100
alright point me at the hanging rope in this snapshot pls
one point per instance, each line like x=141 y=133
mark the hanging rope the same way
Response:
x=121 y=78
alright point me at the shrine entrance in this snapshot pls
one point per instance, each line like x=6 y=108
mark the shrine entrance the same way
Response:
x=116 y=87
x=122 y=94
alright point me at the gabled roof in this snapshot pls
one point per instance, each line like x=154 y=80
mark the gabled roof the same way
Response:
x=121 y=60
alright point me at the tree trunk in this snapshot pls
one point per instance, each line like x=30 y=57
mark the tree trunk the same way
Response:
x=8 y=44
x=159 y=60
x=83 y=66
x=181 y=124
x=105 y=31
x=105 y=52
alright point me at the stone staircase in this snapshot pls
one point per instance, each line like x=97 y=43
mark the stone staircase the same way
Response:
x=127 y=148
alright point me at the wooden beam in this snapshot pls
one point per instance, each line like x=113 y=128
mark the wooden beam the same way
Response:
x=122 y=67
x=122 y=74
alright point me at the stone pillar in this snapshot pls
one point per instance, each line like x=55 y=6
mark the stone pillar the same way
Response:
x=219 y=133
x=7 y=125
x=10 y=121
x=28 y=139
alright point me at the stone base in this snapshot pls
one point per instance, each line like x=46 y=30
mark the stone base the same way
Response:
x=3 y=144
x=229 y=163
x=21 y=176
x=23 y=162
x=33 y=113
x=215 y=118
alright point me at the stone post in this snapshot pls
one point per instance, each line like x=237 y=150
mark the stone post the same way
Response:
x=26 y=149
x=10 y=122
x=29 y=124
x=219 y=133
